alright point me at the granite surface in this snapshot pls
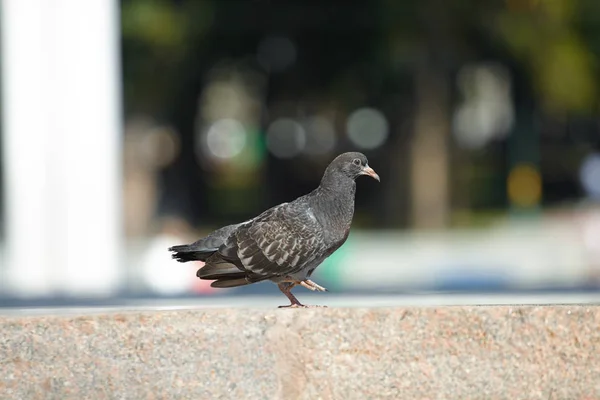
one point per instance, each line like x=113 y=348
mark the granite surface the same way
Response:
x=549 y=352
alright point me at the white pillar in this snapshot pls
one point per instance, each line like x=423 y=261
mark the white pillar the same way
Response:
x=62 y=146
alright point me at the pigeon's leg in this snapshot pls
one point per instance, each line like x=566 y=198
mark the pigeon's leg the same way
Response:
x=286 y=288
x=313 y=286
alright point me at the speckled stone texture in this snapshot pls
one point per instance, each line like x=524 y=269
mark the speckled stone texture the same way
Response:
x=550 y=352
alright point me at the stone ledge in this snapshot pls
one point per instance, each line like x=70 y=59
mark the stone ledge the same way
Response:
x=549 y=352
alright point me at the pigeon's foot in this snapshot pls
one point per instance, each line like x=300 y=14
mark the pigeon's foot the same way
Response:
x=302 y=306
x=298 y=305
x=310 y=285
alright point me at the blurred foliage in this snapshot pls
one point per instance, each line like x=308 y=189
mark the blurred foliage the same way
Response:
x=371 y=52
x=157 y=36
x=155 y=23
x=546 y=36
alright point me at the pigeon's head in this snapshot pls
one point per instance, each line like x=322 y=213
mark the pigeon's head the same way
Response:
x=353 y=165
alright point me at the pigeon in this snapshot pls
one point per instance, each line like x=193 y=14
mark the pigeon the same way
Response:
x=286 y=243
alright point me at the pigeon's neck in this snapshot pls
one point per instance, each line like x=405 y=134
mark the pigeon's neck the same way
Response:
x=333 y=204
x=336 y=181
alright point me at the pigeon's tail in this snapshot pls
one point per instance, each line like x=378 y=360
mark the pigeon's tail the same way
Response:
x=227 y=275
x=227 y=283
x=220 y=270
x=203 y=248
x=190 y=252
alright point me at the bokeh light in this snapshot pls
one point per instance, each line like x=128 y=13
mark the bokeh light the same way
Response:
x=367 y=128
x=225 y=138
x=524 y=186
x=589 y=174
x=160 y=146
x=320 y=135
x=286 y=138
x=486 y=111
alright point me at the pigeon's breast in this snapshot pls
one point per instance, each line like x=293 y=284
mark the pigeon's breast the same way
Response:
x=337 y=228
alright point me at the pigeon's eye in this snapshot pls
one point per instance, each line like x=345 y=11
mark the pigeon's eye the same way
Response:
x=356 y=161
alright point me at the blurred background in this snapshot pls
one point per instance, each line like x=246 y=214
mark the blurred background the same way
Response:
x=131 y=126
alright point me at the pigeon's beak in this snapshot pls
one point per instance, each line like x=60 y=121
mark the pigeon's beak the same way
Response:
x=370 y=172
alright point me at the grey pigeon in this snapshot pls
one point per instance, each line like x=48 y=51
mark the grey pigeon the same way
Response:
x=286 y=243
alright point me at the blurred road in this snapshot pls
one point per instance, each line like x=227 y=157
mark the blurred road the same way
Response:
x=420 y=300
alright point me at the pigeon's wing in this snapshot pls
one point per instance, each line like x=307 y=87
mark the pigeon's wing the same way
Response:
x=280 y=242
